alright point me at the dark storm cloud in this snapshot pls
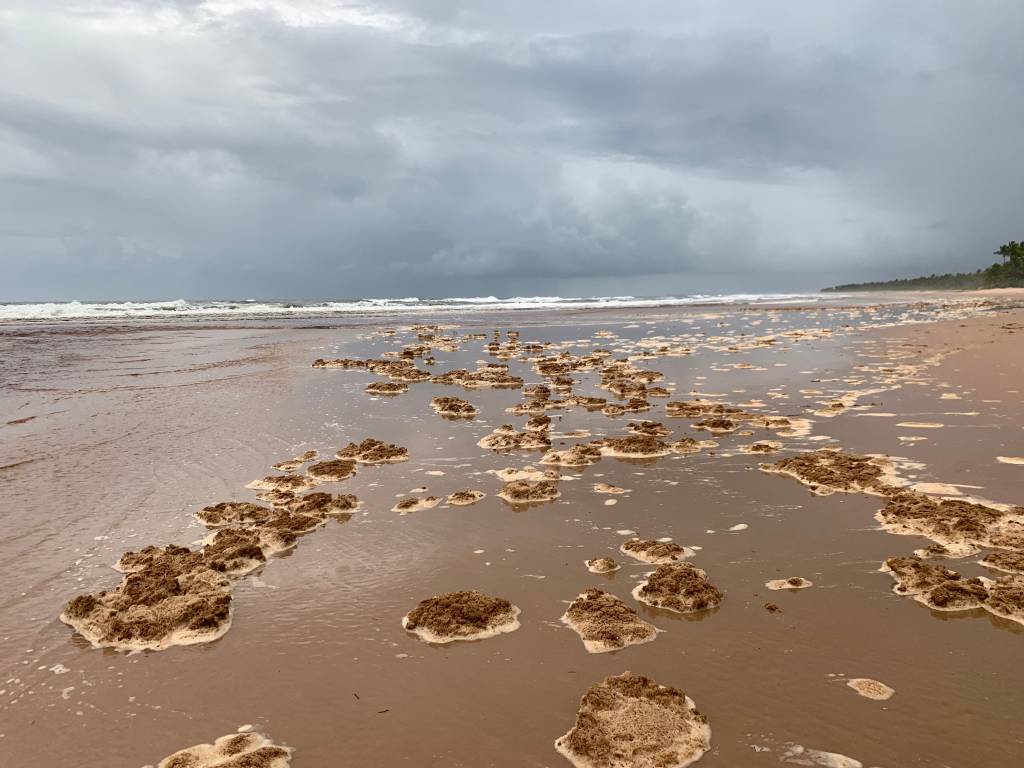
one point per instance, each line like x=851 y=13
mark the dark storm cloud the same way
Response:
x=315 y=148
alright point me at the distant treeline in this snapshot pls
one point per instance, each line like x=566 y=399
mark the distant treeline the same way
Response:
x=1009 y=273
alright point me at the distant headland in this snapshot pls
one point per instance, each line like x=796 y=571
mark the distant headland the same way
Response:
x=1008 y=273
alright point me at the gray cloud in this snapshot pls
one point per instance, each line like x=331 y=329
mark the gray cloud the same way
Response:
x=261 y=148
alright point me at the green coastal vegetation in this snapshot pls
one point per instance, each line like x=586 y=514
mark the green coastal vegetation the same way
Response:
x=1008 y=273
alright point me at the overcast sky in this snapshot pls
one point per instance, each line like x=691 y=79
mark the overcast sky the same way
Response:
x=320 y=149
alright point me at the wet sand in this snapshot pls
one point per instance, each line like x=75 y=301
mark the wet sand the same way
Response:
x=112 y=441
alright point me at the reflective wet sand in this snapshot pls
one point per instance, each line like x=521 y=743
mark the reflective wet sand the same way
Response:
x=113 y=440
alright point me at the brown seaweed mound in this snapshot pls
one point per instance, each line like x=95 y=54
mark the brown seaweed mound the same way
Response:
x=507 y=438
x=935 y=585
x=387 y=388
x=289 y=465
x=333 y=470
x=1011 y=562
x=233 y=513
x=654 y=551
x=1006 y=598
x=717 y=424
x=236 y=750
x=649 y=428
x=680 y=587
x=174 y=598
x=525 y=492
x=576 y=456
x=283 y=483
x=602 y=565
x=948 y=521
x=464 y=615
x=686 y=445
x=695 y=409
x=413 y=504
x=454 y=407
x=629 y=721
x=539 y=423
x=465 y=498
x=372 y=451
x=827 y=471
x=634 y=447
x=765 y=446
x=605 y=623
x=322 y=504
x=339 y=363
x=494 y=376
x=914 y=576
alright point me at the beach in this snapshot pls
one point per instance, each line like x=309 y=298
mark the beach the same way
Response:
x=116 y=431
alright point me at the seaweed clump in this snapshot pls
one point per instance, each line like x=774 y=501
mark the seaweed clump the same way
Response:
x=654 y=551
x=236 y=750
x=373 y=451
x=605 y=623
x=680 y=587
x=630 y=721
x=463 y=615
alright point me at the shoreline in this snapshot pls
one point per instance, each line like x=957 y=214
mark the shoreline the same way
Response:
x=224 y=407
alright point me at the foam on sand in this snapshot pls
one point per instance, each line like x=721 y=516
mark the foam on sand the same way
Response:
x=679 y=587
x=465 y=615
x=606 y=488
x=871 y=689
x=920 y=424
x=1010 y=459
x=605 y=623
x=654 y=551
x=236 y=750
x=465 y=498
x=630 y=721
x=602 y=565
x=793 y=582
